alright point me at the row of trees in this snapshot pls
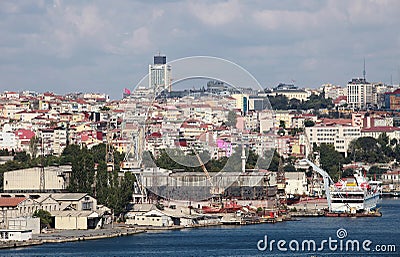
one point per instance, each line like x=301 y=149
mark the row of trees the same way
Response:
x=89 y=173
x=315 y=102
x=109 y=188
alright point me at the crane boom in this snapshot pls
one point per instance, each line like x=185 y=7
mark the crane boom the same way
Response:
x=327 y=181
x=214 y=190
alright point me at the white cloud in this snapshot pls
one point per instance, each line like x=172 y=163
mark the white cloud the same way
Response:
x=216 y=14
x=275 y=40
x=139 y=41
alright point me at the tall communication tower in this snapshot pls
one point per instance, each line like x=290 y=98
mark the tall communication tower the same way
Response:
x=364 y=72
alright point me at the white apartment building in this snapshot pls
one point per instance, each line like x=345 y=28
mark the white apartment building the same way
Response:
x=333 y=91
x=52 y=141
x=361 y=94
x=59 y=141
x=339 y=136
x=8 y=140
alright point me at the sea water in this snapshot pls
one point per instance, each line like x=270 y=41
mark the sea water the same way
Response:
x=296 y=239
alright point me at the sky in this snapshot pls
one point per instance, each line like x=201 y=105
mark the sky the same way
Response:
x=106 y=46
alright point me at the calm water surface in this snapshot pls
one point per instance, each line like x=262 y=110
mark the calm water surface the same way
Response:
x=240 y=240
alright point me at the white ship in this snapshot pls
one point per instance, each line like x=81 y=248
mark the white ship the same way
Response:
x=354 y=195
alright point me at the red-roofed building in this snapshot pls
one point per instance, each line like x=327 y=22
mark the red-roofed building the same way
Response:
x=330 y=122
x=24 y=136
x=375 y=132
x=9 y=208
x=10 y=202
x=340 y=101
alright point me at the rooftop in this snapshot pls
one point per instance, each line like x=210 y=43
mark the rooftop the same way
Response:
x=10 y=201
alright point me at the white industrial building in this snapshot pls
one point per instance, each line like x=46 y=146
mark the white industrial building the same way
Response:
x=56 y=179
x=15 y=235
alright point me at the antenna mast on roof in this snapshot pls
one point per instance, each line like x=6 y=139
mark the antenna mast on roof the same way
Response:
x=364 y=73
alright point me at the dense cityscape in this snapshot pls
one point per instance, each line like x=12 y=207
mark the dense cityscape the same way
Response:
x=199 y=128
x=85 y=155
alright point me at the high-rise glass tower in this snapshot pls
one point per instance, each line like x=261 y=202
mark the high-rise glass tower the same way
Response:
x=160 y=74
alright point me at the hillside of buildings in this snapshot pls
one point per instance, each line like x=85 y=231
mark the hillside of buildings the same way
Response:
x=341 y=128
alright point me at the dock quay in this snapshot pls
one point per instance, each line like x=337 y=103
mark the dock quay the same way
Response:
x=82 y=235
x=307 y=214
x=16 y=244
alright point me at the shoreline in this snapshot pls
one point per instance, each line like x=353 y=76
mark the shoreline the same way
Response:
x=66 y=236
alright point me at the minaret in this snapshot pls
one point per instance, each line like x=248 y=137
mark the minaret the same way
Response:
x=243 y=160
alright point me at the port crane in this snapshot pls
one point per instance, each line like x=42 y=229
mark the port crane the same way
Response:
x=327 y=181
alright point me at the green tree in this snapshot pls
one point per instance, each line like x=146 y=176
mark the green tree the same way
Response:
x=21 y=157
x=69 y=154
x=33 y=146
x=272 y=164
x=231 y=120
x=102 y=189
x=289 y=168
x=45 y=218
x=4 y=152
x=279 y=102
x=331 y=160
x=309 y=123
x=368 y=149
x=82 y=175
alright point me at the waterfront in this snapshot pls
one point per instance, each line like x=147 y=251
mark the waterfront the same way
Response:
x=235 y=240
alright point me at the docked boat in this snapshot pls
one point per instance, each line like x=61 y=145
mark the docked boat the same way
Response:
x=228 y=207
x=354 y=195
x=293 y=199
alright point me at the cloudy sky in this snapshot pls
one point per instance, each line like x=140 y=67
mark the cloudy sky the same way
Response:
x=105 y=46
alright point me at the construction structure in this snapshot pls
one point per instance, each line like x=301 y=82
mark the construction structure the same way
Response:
x=281 y=185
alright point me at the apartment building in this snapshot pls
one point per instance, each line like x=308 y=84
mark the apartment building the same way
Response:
x=361 y=94
x=337 y=135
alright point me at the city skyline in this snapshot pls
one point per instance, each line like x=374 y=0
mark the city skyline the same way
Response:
x=106 y=47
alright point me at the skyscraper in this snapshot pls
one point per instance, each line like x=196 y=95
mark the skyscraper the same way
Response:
x=160 y=74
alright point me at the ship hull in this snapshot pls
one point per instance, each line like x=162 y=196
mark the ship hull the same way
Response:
x=353 y=202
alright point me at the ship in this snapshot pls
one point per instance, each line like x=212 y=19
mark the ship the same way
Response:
x=354 y=195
